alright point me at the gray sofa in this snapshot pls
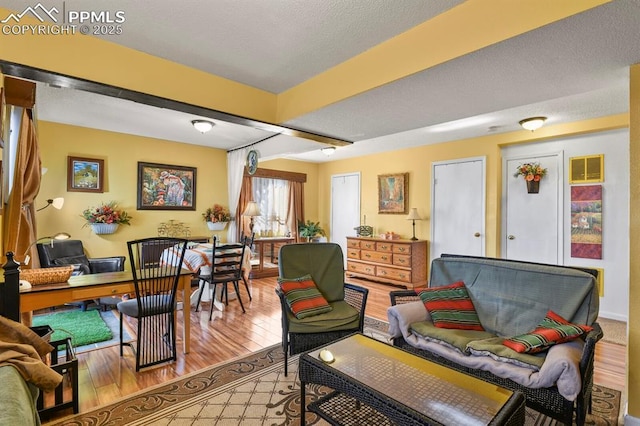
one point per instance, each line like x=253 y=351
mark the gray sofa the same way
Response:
x=511 y=298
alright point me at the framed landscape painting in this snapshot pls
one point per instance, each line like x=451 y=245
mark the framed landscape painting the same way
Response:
x=392 y=193
x=166 y=187
x=85 y=174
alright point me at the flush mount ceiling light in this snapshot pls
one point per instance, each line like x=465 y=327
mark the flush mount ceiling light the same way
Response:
x=533 y=123
x=328 y=150
x=203 y=126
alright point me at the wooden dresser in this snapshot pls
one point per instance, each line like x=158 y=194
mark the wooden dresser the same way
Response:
x=398 y=262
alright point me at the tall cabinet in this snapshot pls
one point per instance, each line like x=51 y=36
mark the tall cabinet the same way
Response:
x=398 y=262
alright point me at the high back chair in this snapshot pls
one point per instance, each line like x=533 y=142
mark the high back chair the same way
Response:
x=305 y=270
x=156 y=284
x=226 y=267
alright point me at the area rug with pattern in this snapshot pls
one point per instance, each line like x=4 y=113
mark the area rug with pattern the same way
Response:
x=253 y=390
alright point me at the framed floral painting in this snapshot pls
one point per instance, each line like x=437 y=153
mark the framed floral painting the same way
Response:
x=85 y=174
x=166 y=187
x=392 y=193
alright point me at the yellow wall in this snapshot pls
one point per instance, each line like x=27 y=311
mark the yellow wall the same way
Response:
x=121 y=153
x=418 y=162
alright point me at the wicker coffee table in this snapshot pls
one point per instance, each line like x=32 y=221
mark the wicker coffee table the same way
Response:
x=376 y=382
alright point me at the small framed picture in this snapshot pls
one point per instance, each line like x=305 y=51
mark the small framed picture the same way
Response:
x=166 y=187
x=85 y=174
x=392 y=193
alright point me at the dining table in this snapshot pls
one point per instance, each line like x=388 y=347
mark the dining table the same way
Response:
x=198 y=259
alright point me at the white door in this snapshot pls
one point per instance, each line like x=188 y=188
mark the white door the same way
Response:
x=458 y=207
x=532 y=224
x=345 y=209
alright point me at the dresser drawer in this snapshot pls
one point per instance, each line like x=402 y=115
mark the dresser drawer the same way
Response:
x=402 y=260
x=402 y=248
x=362 y=268
x=385 y=247
x=353 y=243
x=368 y=245
x=374 y=256
x=353 y=253
x=394 y=274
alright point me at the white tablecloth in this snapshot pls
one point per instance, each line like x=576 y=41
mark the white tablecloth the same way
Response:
x=198 y=259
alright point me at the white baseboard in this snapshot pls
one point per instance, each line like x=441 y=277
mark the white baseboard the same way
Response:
x=612 y=316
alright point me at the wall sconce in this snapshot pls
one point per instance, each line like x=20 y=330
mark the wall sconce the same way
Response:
x=328 y=151
x=533 y=123
x=58 y=236
x=57 y=203
x=203 y=126
x=251 y=211
x=413 y=216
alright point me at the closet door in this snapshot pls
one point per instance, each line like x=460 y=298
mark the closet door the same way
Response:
x=458 y=207
x=345 y=209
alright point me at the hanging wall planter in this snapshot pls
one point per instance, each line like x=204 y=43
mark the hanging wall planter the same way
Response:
x=532 y=174
x=216 y=226
x=533 y=186
x=104 y=228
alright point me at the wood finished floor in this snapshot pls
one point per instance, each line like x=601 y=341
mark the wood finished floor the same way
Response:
x=105 y=377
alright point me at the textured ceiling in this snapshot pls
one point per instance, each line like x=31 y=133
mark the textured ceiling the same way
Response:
x=570 y=70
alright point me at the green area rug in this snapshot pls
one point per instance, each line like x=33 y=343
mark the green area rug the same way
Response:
x=84 y=328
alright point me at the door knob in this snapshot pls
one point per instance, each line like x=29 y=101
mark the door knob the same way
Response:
x=477 y=234
x=511 y=237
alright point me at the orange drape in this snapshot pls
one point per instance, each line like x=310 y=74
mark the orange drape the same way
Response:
x=246 y=195
x=295 y=211
x=19 y=221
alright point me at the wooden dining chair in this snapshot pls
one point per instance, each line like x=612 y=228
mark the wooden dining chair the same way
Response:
x=226 y=268
x=156 y=283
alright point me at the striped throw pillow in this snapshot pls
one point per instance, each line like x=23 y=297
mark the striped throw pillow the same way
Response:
x=552 y=330
x=451 y=307
x=303 y=297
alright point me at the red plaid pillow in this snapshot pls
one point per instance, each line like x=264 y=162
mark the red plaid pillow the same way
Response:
x=451 y=307
x=303 y=297
x=552 y=330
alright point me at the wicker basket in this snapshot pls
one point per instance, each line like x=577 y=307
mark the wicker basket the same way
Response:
x=47 y=275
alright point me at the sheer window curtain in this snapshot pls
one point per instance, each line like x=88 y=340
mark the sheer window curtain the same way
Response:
x=272 y=195
x=235 y=172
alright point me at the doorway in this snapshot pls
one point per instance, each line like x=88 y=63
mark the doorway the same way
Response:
x=532 y=222
x=458 y=207
x=345 y=208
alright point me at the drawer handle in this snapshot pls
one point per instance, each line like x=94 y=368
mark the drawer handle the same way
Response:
x=367 y=255
x=401 y=261
x=113 y=291
x=401 y=249
x=402 y=276
x=384 y=258
x=383 y=272
x=384 y=247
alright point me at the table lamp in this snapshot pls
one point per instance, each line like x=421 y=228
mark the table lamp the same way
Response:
x=52 y=238
x=413 y=216
x=251 y=211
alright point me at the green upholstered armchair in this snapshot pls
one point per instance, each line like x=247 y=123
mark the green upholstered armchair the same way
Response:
x=325 y=263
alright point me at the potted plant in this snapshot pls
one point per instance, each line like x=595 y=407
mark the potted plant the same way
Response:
x=216 y=217
x=105 y=218
x=532 y=173
x=310 y=230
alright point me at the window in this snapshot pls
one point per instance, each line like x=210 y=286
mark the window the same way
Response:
x=272 y=196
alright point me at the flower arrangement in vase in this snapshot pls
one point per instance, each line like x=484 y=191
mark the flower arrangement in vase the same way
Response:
x=532 y=173
x=216 y=217
x=105 y=218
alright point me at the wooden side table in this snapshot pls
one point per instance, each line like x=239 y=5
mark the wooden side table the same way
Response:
x=265 y=256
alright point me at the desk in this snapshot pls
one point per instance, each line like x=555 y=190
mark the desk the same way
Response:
x=93 y=286
x=266 y=250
